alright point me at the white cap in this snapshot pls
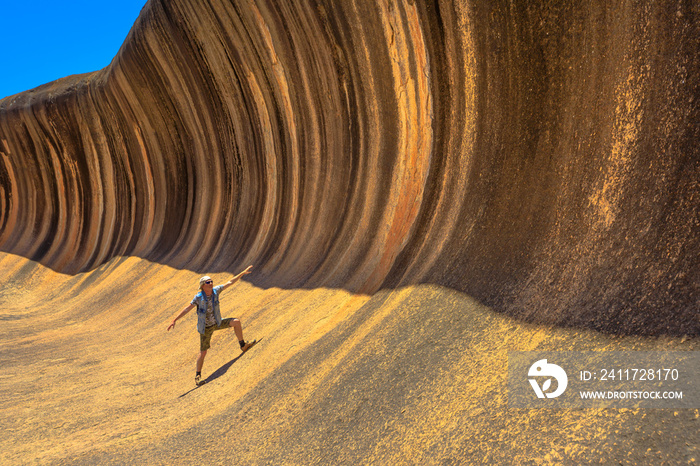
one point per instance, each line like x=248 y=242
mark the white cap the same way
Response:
x=202 y=280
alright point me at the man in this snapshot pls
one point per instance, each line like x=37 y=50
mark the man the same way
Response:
x=209 y=317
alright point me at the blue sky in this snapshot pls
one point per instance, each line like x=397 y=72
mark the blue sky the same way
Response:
x=42 y=41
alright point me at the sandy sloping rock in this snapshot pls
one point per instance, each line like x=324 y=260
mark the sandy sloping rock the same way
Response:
x=421 y=187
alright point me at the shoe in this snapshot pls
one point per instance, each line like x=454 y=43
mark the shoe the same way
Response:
x=248 y=345
x=197 y=379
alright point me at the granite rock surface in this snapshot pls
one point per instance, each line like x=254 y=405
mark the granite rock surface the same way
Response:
x=480 y=176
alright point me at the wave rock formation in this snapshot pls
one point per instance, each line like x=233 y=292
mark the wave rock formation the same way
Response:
x=542 y=158
x=396 y=171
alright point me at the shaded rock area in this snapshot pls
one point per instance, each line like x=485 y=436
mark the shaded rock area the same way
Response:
x=421 y=187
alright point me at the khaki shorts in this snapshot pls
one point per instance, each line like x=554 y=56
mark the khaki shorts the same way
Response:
x=205 y=339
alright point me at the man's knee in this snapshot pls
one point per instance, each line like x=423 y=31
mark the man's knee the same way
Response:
x=233 y=322
x=202 y=353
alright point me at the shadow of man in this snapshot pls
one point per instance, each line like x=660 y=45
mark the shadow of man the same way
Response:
x=218 y=373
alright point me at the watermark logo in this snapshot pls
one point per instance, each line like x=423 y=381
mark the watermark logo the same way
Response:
x=604 y=379
x=543 y=370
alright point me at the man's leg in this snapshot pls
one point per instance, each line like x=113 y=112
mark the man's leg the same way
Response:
x=238 y=328
x=200 y=360
x=204 y=342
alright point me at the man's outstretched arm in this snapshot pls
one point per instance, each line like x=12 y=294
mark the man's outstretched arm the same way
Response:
x=181 y=314
x=237 y=277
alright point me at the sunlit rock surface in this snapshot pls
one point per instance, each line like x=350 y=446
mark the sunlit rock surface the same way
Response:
x=416 y=184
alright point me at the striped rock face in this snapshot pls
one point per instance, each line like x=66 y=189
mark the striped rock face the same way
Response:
x=411 y=180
